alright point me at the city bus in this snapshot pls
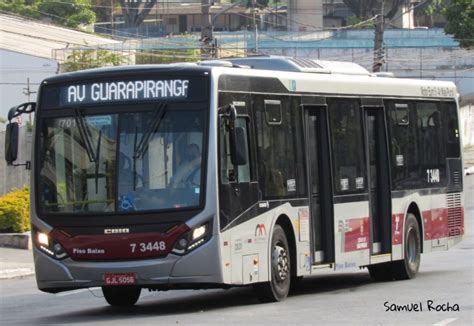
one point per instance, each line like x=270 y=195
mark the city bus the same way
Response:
x=238 y=172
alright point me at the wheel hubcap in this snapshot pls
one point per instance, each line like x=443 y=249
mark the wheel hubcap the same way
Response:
x=280 y=262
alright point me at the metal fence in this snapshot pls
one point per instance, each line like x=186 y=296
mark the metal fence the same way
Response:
x=427 y=54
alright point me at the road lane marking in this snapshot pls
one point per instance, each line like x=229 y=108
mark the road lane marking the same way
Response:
x=445 y=322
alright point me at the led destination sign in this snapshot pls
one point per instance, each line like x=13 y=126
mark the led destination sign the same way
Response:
x=125 y=91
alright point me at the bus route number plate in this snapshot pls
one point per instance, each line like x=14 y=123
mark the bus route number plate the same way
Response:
x=119 y=279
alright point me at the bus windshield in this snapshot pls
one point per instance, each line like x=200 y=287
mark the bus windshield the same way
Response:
x=121 y=162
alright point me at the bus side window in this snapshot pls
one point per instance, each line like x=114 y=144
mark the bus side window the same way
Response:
x=347 y=146
x=406 y=170
x=451 y=130
x=278 y=138
x=430 y=141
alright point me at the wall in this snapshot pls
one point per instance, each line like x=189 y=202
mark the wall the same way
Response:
x=12 y=177
x=15 y=70
x=467 y=121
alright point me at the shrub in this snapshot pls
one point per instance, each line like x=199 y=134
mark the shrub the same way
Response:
x=15 y=211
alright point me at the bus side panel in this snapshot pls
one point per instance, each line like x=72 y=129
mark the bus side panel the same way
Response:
x=441 y=216
x=352 y=241
x=248 y=245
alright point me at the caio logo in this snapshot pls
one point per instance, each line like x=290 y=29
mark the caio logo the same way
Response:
x=116 y=231
x=260 y=230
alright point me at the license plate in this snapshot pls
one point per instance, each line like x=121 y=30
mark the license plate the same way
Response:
x=119 y=279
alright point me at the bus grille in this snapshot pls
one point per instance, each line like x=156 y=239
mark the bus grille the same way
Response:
x=456 y=178
x=455 y=214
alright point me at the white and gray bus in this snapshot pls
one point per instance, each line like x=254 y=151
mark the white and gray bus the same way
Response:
x=247 y=171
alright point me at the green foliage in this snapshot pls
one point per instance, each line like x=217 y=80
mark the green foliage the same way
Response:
x=15 y=211
x=70 y=13
x=460 y=17
x=23 y=8
x=358 y=22
x=91 y=58
x=167 y=56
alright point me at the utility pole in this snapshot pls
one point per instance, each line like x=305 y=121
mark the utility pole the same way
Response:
x=208 y=43
x=27 y=91
x=206 y=31
x=112 y=16
x=378 y=40
x=254 y=50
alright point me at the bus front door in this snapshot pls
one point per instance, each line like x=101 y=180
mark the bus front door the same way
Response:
x=379 y=182
x=320 y=191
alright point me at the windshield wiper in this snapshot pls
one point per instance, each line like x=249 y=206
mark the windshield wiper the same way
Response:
x=140 y=149
x=97 y=162
x=86 y=136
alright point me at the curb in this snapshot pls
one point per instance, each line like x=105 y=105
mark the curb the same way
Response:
x=16 y=240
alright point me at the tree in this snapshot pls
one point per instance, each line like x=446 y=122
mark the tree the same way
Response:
x=135 y=11
x=460 y=17
x=91 y=58
x=71 y=13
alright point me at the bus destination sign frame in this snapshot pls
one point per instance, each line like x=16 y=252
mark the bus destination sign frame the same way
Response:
x=124 y=91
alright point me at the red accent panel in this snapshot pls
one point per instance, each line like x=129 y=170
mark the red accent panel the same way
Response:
x=119 y=246
x=397 y=229
x=427 y=225
x=439 y=223
x=357 y=236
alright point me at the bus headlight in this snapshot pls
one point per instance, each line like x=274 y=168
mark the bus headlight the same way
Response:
x=199 y=232
x=43 y=239
x=49 y=246
x=192 y=239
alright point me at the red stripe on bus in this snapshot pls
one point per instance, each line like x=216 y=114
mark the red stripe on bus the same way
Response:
x=119 y=246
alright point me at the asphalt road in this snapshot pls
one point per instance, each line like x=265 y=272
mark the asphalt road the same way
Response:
x=342 y=298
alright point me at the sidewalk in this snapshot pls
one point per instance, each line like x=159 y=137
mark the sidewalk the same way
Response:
x=15 y=263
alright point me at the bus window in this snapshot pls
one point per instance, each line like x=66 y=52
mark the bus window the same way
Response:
x=70 y=180
x=451 y=130
x=273 y=112
x=406 y=170
x=167 y=171
x=277 y=155
x=347 y=146
x=429 y=129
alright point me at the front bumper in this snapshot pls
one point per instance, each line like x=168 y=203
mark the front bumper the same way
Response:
x=201 y=266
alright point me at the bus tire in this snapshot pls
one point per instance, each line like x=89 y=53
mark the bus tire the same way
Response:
x=279 y=286
x=408 y=267
x=122 y=296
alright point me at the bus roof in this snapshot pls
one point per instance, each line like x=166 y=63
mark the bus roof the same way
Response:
x=294 y=75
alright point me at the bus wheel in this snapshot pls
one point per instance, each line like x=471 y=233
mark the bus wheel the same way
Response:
x=277 y=289
x=408 y=267
x=125 y=296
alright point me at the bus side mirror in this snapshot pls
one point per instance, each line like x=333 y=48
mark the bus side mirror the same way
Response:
x=240 y=151
x=11 y=142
